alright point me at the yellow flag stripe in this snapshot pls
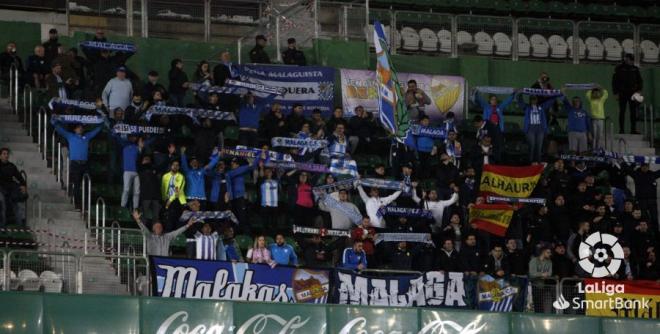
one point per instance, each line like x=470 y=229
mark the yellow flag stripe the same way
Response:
x=507 y=185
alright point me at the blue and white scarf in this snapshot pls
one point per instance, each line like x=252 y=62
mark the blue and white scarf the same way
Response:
x=383 y=184
x=320 y=231
x=236 y=87
x=541 y=92
x=343 y=166
x=584 y=158
x=79 y=119
x=194 y=113
x=495 y=90
x=633 y=159
x=130 y=129
x=303 y=166
x=208 y=215
x=122 y=47
x=404 y=212
x=427 y=131
x=353 y=215
x=334 y=187
x=531 y=200
x=59 y=103
x=407 y=237
x=303 y=143
x=252 y=153
x=581 y=86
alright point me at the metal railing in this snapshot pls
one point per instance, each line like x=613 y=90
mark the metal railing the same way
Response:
x=86 y=199
x=115 y=240
x=27 y=108
x=648 y=129
x=13 y=88
x=543 y=293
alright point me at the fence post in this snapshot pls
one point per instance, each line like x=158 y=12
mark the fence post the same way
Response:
x=129 y=18
x=144 y=18
x=67 y=14
x=576 y=43
x=514 y=40
x=277 y=38
x=207 y=20
x=79 y=275
x=454 y=41
x=317 y=6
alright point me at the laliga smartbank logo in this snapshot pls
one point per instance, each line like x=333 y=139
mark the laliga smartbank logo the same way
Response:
x=601 y=255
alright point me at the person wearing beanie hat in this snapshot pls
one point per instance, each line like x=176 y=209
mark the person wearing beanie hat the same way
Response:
x=293 y=56
x=258 y=55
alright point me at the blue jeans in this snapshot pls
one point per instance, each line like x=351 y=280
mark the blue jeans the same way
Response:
x=535 y=136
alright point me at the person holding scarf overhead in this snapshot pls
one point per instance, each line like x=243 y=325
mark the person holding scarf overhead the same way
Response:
x=535 y=124
x=221 y=72
x=195 y=185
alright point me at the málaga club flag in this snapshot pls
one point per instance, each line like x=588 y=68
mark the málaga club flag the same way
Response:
x=492 y=218
x=510 y=181
x=639 y=299
x=391 y=104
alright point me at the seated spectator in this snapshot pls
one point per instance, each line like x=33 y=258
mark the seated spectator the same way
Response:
x=448 y=259
x=416 y=101
x=283 y=253
x=158 y=242
x=354 y=257
x=360 y=128
x=259 y=253
x=13 y=191
x=496 y=264
x=38 y=67
x=231 y=248
x=274 y=124
x=470 y=257
x=486 y=129
x=541 y=266
x=649 y=268
x=402 y=258
x=629 y=269
x=562 y=266
x=295 y=119
x=178 y=83
x=336 y=118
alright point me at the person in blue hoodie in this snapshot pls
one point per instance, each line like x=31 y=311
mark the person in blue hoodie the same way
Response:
x=535 y=124
x=283 y=253
x=425 y=147
x=217 y=199
x=354 y=257
x=249 y=114
x=579 y=125
x=78 y=142
x=493 y=110
x=236 y=189
x=195 y=183
x=132 y=147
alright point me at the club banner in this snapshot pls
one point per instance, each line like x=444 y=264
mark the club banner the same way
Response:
x=447 y=93
x=324 y=232
x=492 y=218
x=59 y=103
x=433 y=288
x=77 y=119
x=621 y=299
x=186 y=278
x=131 y=129
x=510 y=181
x=305 y=143
x=311 y=86
x=120 y=47
x=500 y=295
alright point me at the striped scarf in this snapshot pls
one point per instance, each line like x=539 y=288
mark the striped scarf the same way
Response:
x=321 y=231
x=59 y=103
x=208 y=215
x=343 y=166
x=252 y=153
x=236 y=87
x=404 y=212
x=383 y=184
x=495 y=90
x=531 y=200
x=581 y=86
x=541 y=92
x=334 y=187
x=427 y=131
x=306 y=143
x=408 y=237
x=350 y=212
x=304 y=166
x=80 y=119
x=194 y=113
x=121 y=47
x=137 y=129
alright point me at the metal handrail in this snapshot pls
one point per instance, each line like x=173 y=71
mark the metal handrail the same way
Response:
x=27 y=91
x=13 y=88
x=38 y=207
x=96 y=220
x=86 y=198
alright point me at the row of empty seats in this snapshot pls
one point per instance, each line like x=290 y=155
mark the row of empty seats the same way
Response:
x=536 y=45
x=28 y=280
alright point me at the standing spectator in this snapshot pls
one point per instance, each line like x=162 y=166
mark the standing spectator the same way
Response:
x=516 y=258
x=447 y=259
x=221 y=72
x=596 y=98
x=354 y=257
x=295 y=119
x=543 y=82
x=416 y=100
x=629 y=269
x=361 y=129
x=274 y=123
x=425 y=149
x=13 y=190
x=373 y=202
x=470 y=257
x=259 y=253
x=645 y=190
x=268 y=196
x=258 y=55
x=336 y=118
x=301 y=197
x=78 y=142
x=51 y=45
x=131 y=150
x=283 y=253
x=236 y=189
x=249 y=114
x=487 y=128
x=493 y=112
x=149 y=189
x=38 y=67
x=293 y=56
x=231 y=249
x=203 y=74
x=430 y=201
x=152 y=86
x=402 y=257
x=541 y=266
x=316 y=253
x=118 y=92
x=195 y=182
x=9 y=58
x=218 y=200
x=579 y=124
x=535 y=124
x=172 y=192
x=366 y=234
x=627 y=81
x=339 y=220
x=178 y=83
x=55 y=84
x=206 y=240
x=338 y=143
x=158 y=242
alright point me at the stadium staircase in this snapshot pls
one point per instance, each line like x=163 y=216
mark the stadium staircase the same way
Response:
x=60 y=227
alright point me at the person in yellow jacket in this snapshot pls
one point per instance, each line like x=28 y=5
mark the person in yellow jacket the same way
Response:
x=172 y=191
x=596 y=98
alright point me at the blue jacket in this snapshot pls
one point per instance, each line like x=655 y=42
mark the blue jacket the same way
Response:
x=78 y=145
x=130 y=152
x=195 y=188
x=540 y=109
x=218 y=185
x=236 y=180
x=351 y=259
x=249 y=114
x=488 y=110
x=578 y=119
x=284 y=255
x=425 y=144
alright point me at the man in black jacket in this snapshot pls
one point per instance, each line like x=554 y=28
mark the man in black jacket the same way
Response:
x=12 y=189
x=51 y=45
x=221 y=72
x=627 y=81
x=496 y=264
x=149 y=189
x=8 y=58
x=293 y=56
x=447 y=259
x=258 y=55
x=645 y=190
x=470 y=257
x=360 y=129
x=516 y=258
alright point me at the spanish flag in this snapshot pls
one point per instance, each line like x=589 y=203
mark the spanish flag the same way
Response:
x=510 y=181
x=492 y=218
x=622 y=299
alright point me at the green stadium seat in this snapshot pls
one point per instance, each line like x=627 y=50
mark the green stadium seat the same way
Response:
x=231 y=132
x=269 y=240
x=244 y=242
x=123 y=215
x=291 y=241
